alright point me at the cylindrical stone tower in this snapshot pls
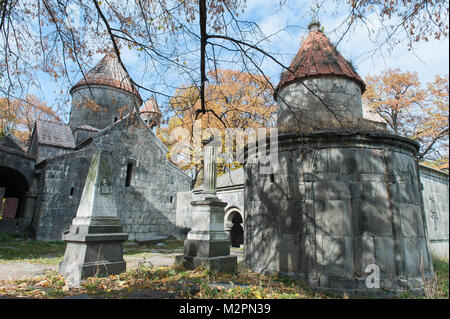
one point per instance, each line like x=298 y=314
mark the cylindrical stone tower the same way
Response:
x=343 y=210
x=321 y=90
x=151 y=113
x=103 y=96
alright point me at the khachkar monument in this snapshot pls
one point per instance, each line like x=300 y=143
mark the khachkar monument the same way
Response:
x=207 y=243
x=345 y=200
x=94 y=240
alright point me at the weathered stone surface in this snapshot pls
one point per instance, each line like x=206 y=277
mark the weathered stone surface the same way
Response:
x=9 y=207
x=146 y=207
x=207 y=243
x=206 y=248
x=356 y=208
x=110 y=105
x=436 y=207
x=219 y=264
x=94 y=241
x=295 y=102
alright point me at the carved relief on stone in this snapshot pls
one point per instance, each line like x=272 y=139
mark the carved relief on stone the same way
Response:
x=434 y=214
x=105 y=187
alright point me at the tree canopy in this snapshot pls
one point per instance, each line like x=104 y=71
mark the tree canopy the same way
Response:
x=18 y=116
x=236 y=100
x=410 y=110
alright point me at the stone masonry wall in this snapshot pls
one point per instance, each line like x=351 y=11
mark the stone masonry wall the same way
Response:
x=60 y=189
x=436 y=205
x=338 y=203
x=147 y=206
x=296 y=102
x=112 y=105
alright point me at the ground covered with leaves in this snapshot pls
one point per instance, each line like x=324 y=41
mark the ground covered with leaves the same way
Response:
x=146 y=281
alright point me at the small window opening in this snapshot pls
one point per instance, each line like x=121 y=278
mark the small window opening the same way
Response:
x=72 y=190
x=272 y=178
x=171 y=199
x=115 y=119
x=129 y=173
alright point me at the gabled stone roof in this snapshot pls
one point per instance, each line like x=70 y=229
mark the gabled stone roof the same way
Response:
x=12 y=142
x=87 y=128
x=109 y=72
x=54 y=134
x=317 y=56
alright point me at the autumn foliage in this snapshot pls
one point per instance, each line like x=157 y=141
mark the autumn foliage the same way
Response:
x=233 y=100
x=414 y=111
x=18 y=116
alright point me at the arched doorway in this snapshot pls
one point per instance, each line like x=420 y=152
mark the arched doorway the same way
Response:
x=13 y=188
x=234 y=224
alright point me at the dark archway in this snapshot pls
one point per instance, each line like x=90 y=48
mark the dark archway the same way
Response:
x=234 y=225
x=14 y=188
x=237 y=231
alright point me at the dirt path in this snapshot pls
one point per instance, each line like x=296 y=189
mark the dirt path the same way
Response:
x=22 y=270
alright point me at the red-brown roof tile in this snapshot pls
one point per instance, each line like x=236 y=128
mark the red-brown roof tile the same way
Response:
x=108 y=72
x=150 y=106
x=317 y=56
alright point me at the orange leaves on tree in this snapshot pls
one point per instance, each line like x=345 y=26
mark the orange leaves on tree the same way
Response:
x=413 y=111
x=18 y=116
x=234 y=99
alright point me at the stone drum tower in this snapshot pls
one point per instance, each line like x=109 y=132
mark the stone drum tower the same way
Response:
x=103 y=95
x=344 y=202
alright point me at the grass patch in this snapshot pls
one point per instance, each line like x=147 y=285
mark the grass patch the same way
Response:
x=139 y=250
x=19 y=249
x=438 y=287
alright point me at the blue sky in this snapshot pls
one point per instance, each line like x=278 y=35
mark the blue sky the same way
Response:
x=427 y=59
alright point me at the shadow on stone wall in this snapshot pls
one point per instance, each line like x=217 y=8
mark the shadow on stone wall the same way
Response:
x=332 y=212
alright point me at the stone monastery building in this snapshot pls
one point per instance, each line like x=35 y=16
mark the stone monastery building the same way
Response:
x=346 y=193
x=42 y=185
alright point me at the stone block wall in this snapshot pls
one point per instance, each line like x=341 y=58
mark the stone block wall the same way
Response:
x=436 y=205
x=296 y=102
x=147 y=206
x=338 y=203
x=111 y=105
x=60 y=188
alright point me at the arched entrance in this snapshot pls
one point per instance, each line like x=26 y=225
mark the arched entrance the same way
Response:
x=234 y=224
x=13 y=189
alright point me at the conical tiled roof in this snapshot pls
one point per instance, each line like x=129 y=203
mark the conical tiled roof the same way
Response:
x=150 y=106
x=317 y=56
x=108 y=72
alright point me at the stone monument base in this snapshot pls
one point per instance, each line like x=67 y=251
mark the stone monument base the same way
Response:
x=92 y=253
x=207 y=243
x=206 y=248
x=219 y=264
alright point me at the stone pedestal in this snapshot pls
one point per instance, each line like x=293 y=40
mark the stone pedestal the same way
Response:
x=207 y=243
x=93 y=250
x=94 y=240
